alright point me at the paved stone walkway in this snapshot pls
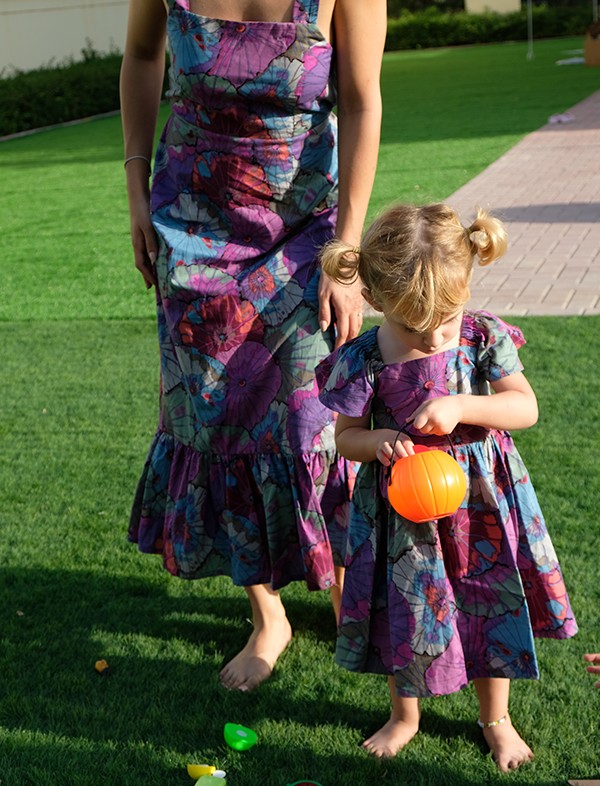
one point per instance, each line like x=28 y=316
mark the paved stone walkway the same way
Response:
x=547 y=191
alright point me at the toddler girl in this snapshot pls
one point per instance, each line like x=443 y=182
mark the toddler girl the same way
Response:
x=439 y=604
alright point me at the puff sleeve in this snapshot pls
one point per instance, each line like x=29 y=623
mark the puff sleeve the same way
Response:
x=497 y=353
x=344 y=378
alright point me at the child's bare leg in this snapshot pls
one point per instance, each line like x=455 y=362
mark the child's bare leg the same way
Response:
x=336 y=592
x=507 y=747
x=399 y=730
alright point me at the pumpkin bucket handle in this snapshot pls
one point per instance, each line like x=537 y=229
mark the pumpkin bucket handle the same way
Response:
x=418 y=449
x=449 y=438
x=391 y=464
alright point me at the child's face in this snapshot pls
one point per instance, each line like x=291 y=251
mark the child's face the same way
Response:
x=445 y=336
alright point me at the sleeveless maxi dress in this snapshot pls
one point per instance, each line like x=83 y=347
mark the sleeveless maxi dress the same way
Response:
x=242 y=477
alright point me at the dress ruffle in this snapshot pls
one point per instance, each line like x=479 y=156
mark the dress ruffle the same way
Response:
x=259 y=518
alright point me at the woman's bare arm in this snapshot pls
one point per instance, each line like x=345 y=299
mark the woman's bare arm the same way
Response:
x=142 y=75
x=360 y=29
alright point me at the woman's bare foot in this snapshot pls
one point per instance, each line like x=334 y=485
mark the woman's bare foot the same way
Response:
x=391 y=738
x=399 y=730
x=255 y=662
x=508 y=749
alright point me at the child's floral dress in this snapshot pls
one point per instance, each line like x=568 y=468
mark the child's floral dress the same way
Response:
x=441 y=603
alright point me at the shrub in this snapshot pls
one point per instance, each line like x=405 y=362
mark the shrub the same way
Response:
x=71 y=90
x=57 y=93
x=432 y=28
x=395 y=8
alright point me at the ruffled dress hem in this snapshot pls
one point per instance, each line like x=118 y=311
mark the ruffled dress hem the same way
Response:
x=208 y=514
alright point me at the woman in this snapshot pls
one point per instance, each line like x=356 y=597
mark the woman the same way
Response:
x=251 y=178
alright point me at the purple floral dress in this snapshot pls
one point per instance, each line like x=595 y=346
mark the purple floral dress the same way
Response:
x=441 y=603
x=242 y=477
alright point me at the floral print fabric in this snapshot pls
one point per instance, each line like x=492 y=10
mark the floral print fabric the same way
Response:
x=440 y=603
x=242 y=477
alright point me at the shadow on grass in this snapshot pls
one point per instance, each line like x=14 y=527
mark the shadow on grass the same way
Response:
x=163 y=706
x=161 y=650
x=265 y=765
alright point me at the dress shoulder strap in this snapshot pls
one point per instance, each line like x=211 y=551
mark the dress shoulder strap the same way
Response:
x=306 y=11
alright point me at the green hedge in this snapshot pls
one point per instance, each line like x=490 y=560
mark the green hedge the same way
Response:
x=59 y=93
x=56 y=94
x=395 y=8
x=433 y=28
x=72 y=90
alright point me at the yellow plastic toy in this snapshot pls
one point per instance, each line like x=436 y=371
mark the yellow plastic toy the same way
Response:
x=196 y=771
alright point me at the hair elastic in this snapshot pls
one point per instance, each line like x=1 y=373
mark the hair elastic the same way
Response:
x=356 y=249
x=479 y=237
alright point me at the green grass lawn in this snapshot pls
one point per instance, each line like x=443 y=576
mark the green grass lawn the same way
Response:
x=79 y=377
x=448 y=113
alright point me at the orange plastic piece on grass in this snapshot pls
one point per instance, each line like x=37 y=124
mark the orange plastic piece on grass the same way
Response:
x=426 y=486
x=101 y=667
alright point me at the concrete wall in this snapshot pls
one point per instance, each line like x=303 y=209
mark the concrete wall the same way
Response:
x=33 y=32
x=500 y=6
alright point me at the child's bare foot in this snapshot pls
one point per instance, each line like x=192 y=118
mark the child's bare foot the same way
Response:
x=391 y=738
x=255 y=662
x=508 y=749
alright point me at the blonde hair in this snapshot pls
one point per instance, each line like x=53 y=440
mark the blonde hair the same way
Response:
x=417 y=261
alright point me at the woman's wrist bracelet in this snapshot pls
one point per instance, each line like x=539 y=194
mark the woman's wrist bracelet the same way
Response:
x=147 y=160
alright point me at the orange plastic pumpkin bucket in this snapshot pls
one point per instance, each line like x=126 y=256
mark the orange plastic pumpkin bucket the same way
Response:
x=426 y=486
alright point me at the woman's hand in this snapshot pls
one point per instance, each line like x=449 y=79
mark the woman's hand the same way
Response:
x=386 y=453
x=347 y=302
x=438 y=416
x=142 y=74
x=143 y=235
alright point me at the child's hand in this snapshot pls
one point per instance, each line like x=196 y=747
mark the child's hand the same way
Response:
x=596 y=668
x=437 y=416
x=385 y=448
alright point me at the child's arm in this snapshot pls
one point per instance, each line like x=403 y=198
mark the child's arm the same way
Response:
x=513 y=406
x=356 y=441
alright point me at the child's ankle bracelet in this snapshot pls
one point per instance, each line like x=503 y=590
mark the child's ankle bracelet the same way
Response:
x=483 y=725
